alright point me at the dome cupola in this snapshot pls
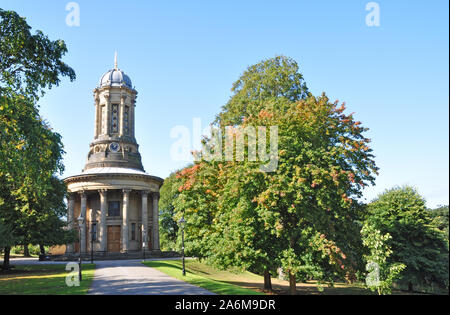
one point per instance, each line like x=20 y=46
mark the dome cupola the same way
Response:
x=115 y=78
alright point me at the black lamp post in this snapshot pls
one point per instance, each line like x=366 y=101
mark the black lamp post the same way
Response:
x=182 y=223
x=80 y=224
x=92 y=241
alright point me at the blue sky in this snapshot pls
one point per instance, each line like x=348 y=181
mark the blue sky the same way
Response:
x=183 y=57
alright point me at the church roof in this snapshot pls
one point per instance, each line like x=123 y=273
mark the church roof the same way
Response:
x=116 y=78
x=100 y=172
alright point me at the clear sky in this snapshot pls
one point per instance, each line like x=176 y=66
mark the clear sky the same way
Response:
x=183 y=57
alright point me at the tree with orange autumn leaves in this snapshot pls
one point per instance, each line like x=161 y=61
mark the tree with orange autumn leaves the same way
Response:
x=301 y=217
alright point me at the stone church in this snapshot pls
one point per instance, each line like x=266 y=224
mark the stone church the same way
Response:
x=114 y=195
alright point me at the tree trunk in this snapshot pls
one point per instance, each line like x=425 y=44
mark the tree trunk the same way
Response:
x=26 y=251
x=42 y=249
x=6 y=258
x=292 y=284
x=267 y=280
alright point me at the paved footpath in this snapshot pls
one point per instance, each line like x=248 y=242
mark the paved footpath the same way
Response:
x=130 y=277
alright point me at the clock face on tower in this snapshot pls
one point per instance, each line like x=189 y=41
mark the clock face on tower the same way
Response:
x=114 y=147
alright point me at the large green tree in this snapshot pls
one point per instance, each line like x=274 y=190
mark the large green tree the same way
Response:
x=30 y=151
x=301 y=216
x=415 y=242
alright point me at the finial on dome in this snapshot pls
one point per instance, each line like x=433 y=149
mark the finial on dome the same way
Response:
x=115 y=61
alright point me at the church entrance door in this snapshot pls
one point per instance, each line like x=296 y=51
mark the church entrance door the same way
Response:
x=113 y=238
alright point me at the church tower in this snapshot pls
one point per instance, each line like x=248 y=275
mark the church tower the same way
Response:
x=113 y=203
x=114 y=143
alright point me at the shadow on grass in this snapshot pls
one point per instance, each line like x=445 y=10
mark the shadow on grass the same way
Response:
x=304 y=289
x=206 y=280
x=177 y=264
x=161 y=264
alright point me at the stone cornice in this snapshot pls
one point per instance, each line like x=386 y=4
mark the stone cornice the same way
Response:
x=110 y=88
x=90 y=177
x=108 y=139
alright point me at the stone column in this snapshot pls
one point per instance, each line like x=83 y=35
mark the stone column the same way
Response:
x=121 y=114
x=155 y=196
x=92 y=218
x=83 y=226
x=70 y=220
x=126 y=205
x=144 y=226
x=108 y=114
x=97 y=118
x=102 y=226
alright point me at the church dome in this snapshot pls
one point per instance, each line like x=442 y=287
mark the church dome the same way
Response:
x=116 y=78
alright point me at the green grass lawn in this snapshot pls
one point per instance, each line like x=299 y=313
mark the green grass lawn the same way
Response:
x=203 y=276
x=43 y=280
